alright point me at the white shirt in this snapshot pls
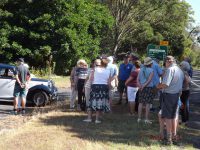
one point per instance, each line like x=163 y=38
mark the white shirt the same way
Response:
x=101 y=75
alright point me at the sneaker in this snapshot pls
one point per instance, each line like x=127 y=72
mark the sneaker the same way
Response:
x=138 y=120
x=97 y=121
x=87 y=120
x=147 y=121
x=14 y=112
x=23 y=112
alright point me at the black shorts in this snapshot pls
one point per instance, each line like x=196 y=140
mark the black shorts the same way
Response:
x=121 y=86
x=169 y=105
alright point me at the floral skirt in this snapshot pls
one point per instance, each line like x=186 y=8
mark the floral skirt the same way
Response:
x=99 y=98
x=146 y=96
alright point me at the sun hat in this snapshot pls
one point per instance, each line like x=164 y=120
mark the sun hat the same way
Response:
x=81 y=61
x=110 y=59
x=20 y=59
x=147 y=61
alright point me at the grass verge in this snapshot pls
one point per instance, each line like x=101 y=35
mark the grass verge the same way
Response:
x=65 y=130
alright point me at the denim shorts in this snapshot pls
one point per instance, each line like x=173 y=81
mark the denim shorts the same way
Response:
x=19 y=92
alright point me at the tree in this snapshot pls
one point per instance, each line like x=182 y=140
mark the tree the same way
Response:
x=138 y=23
x=66 y=30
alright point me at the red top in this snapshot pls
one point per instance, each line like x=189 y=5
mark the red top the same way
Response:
x=133 y=82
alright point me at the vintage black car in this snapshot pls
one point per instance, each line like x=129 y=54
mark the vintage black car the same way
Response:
x=40 y=91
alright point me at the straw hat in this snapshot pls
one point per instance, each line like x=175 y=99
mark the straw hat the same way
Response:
x=147 y=61
x=81 y=61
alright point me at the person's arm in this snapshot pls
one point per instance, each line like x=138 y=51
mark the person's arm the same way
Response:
x=148 y=80
x=128 y=80
x=138 y=81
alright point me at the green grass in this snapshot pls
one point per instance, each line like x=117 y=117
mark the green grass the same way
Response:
x=63 y=130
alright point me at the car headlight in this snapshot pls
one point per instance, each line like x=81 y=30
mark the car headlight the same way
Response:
x=50 y=84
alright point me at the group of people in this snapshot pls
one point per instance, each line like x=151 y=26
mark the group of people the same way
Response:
x=141 y=83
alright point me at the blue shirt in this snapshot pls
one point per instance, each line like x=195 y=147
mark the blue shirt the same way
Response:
x=144 y=74
x=157 y=72
x=124 y=71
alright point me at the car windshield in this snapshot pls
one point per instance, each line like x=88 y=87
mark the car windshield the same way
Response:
x=6 y=72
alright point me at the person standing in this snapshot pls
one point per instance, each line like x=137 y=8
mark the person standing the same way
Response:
x=99 y=96
x=132 y=86
x=172 y=87
x=185 y=92
x=114 y=81
x=81 y=75
x=21 y=85
x=124 y=72
x=88 y=82
x=145 y=84
x=73 y=88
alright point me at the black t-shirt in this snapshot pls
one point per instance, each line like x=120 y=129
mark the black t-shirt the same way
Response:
x=22 y=73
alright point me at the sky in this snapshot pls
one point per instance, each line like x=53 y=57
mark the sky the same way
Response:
x=195 y=4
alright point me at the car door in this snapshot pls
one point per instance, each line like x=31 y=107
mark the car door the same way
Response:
x=7 y=83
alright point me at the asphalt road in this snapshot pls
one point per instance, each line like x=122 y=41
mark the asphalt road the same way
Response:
x=6 y=107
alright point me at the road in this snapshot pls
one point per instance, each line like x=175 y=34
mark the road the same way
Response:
x=194 y=122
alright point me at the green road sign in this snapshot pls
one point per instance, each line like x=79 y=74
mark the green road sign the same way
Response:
x=157 y=51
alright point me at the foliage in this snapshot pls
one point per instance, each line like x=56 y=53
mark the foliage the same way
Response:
x=141 y=22
x=40 y=30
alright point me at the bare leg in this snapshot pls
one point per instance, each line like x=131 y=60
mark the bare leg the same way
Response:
x=15 y=102
x=161 y=123
x=169 y=129
x=147 y=111
x=132 y=107
x=23 y=102
x=89 y=114
x=97 y=114
x=140 y=110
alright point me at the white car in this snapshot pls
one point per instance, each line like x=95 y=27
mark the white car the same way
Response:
x=40 y=91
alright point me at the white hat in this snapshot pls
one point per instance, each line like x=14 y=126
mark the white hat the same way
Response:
x=147 y=61
x=110 y=59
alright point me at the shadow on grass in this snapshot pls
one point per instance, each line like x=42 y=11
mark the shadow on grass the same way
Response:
x=116 y=127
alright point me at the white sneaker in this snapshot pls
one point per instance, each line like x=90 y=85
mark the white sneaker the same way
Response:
x=138 y=120
x=87 y=120
x=97 y=121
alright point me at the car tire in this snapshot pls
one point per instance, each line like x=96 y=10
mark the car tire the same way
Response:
x=40 y=98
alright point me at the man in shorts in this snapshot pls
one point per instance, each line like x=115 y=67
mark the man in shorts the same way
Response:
x=124 y=73
x=172 y=87
x=21 y=85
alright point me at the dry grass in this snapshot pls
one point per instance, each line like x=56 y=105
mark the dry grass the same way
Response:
x=61 y=81
x=64 y=130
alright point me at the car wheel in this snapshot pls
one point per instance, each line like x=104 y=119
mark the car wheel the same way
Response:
x=40 y=98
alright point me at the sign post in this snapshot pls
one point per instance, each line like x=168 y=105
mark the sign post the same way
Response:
x=157 y=51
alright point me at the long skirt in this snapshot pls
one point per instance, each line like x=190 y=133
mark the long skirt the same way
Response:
x=99 y=98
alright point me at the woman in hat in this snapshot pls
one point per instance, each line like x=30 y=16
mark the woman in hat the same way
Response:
x=145 y=84
x=81 y=75
x=99 y=96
